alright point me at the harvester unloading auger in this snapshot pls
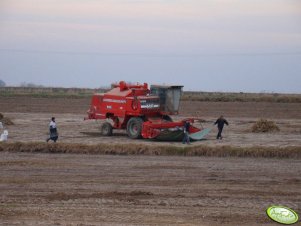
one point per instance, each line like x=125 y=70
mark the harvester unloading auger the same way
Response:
x=142 y=112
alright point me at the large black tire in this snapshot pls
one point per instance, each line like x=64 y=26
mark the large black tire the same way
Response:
x=134 y=127
x=106 y=129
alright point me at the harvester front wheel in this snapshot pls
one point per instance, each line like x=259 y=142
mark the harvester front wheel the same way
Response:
x=134 y=127
x=106 y=129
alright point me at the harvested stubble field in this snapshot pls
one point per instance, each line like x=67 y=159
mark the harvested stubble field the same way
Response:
x=50 y=185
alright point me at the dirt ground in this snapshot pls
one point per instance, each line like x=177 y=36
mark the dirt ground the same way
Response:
x=73 y=189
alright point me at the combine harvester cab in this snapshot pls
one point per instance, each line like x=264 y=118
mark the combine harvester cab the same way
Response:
x=142 y=112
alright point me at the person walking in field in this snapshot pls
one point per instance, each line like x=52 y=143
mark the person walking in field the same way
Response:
x=186 y=133
x=52 y=131
x=221 y=121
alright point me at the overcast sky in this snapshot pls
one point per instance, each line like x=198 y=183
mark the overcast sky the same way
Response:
x=205 y=45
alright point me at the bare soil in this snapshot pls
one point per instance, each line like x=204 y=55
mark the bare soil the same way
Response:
x=75 y=189
x=70 y=189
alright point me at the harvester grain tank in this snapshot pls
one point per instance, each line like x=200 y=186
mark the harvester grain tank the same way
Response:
x=142 y=111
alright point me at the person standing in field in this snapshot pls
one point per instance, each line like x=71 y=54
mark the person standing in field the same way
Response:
x=221 y=121
x=52 y=131
x=186 y=133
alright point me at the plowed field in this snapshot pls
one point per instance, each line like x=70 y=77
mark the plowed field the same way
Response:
x=76 y=189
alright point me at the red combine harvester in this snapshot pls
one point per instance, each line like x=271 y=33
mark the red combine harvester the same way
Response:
x=142 y=112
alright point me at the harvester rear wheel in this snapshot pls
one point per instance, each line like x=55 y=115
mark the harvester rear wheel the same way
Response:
x=134 y=127
x=106 y=129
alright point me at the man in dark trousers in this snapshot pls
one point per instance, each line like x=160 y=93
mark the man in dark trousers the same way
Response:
x=220 y=125
x=53 y=131
x=186 y=132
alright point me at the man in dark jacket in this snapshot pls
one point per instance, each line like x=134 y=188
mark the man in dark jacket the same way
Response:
x=220 y=125
x=186 y=133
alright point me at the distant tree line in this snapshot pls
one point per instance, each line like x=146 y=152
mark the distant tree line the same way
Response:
x=2 y=83
x=23 y=84
x=30 y=84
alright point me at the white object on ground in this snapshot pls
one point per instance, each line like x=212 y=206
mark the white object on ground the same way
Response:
x=4 y=136
x=1 y=125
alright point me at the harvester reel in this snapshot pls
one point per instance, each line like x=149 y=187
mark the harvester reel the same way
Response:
x=106 y=129
x=134 y=127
